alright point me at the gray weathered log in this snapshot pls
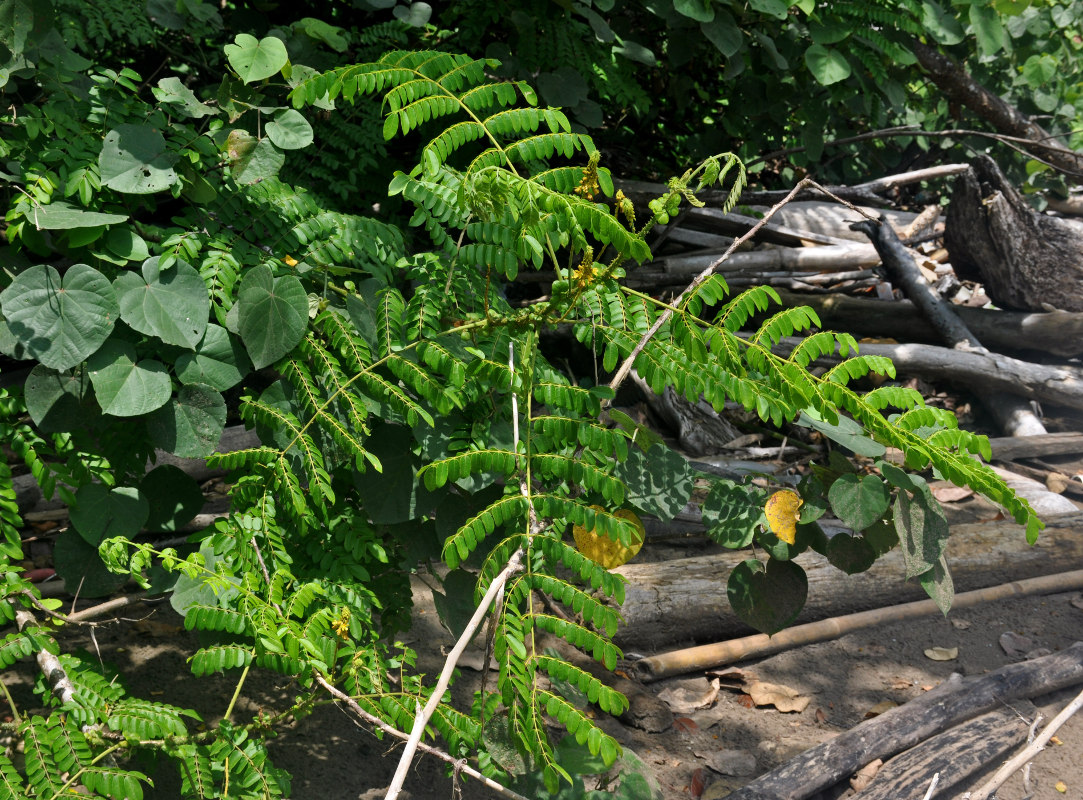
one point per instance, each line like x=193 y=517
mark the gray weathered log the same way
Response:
x=1010 y=448
x=954 y=701
x=954 y=755
x=1012 y=413
x=1058 y=333
x=1061 y=385
x=683 y=600
x=1026 y=260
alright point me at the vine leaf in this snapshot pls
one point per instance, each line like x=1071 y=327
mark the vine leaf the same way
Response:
x=57 y=401
x=171 y=303
x=219 y=361
x=125 y=387
x=174 y=497
x=60 y=321
x=273 y=315
x=922 y=528
x=191 y=425
x=135 y=160
x=60 y=215
x=100 y=513
x=255 y=59
x=290 y=130
x=859 y=502
x=767 y=598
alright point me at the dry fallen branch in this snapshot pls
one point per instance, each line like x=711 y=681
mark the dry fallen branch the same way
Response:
x=954 y=701
x=1029 y=752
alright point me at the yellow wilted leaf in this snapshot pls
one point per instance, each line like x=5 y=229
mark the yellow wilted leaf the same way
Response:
x=601 y=549
x=1061 y=787
x=782 y=514
x=290 y=261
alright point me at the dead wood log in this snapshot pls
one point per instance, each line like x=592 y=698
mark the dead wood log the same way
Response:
x=1056 y=333
x=954 y=755
x=1010 y=448
x=956 y=700
x=1012 y=413
x=732 y=651
x=1060 y=385
x=1025 y=260
x=684 y=600
x=831 y=219
x=699 y=428
x=715 y=221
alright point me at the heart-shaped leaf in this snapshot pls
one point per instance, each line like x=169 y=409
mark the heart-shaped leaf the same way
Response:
x=58 y=401
x=255 y=59
x=767 y=598
x=190 y=426
x=60 y=321
x=290 y=130
x=826 y=64
x=732 y=513
x=124 y=387
x=256 y=161
x=219 y=361
x=100 y=512
x=171 y=304
x=135 y=160
x=273 y=315
x=859 y=502
x=79 y=564
x=174 y=498
x=851 y=554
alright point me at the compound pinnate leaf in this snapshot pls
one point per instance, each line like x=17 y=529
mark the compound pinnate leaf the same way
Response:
x=219 y=361
x=60 y=321
x=125 y=387
x=273 y=315
x=135 y=160
x=255 y=59
x=191 y=425
x=783 y=510
x=767 y=598
x=171 y=304
x=100 y=512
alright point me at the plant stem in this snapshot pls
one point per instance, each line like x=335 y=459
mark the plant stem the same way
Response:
x=236 y=692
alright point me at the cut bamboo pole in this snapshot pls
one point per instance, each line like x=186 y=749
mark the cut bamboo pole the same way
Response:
x=706 y=656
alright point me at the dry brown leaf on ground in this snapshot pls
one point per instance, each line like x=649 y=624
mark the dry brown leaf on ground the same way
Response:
x=880 y=708
x=949 y=493
x=942 y=653
x=783 y=698
x=864 y=776
x=686 y=699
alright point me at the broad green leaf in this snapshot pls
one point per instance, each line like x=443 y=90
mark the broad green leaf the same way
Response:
x=732 y=513
x=938 y=584
x=858 y=502
x=126 y=244
x=988 y=30
x=1039 y=70
x=940 y=24
x=125 y=387
x=455 y=605
x=394 y=494
x=219 y=361
x=58 y=401
x=634 y=51
x=255 y=59
x=724 y=33
x=331 y=35
x=174 y=498
x=699 y=10
x=882 y=536
x=416 y=15
x=501 y=746
x=100 y=512
x=923 y=530
x=60 y=321
x=767 y=598
x=191 y=425
x=779 y=9
x=851 y=554
x=258 y=163
x=846 y=432
x=79 y=564
x=565 y=87
x=189 y=592
x=135 y=160
x=273 y=315
x=658 y=483
x=171 y=304
x=61 y=215
x=826 y=64
x=290 y=130
x=180 y=99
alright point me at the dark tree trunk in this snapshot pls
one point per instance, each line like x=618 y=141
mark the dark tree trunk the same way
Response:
x=1026 y=260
